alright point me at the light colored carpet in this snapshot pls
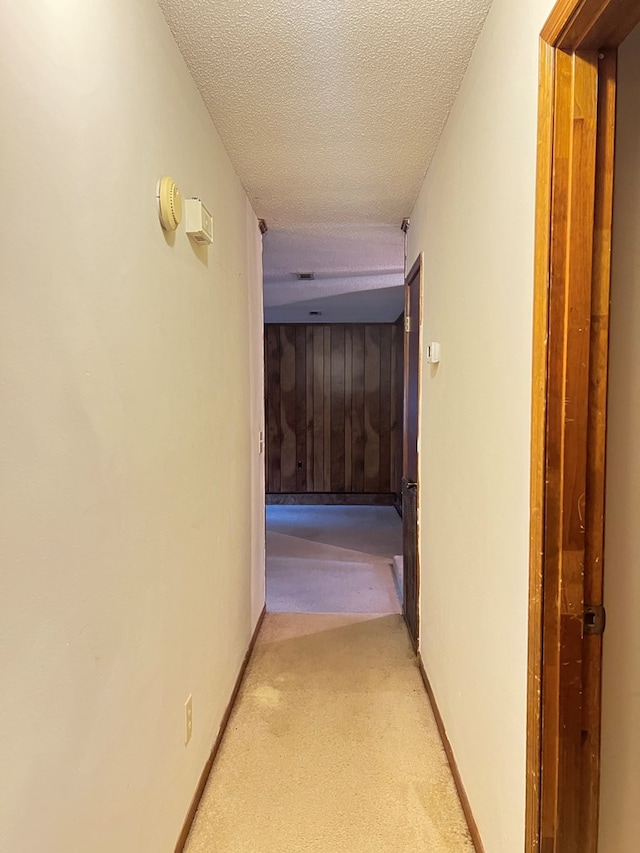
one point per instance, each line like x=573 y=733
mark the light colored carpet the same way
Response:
x=375 y=530
x=332 y=559
x=332 y=747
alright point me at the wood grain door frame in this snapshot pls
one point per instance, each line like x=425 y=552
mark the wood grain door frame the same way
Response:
x=410 y=461
x=574 y=204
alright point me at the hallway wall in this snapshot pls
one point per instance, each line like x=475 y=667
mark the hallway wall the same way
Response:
x=620 y=759
x=128 y=436
x=474 y=219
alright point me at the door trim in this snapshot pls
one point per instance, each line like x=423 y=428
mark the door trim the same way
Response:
x=416 y=271
x=574 y=204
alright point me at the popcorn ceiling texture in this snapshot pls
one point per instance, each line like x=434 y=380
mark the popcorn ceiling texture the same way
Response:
x=288 y=292
x=353 y=303
x=358 y=273
x=330 y=109
x=332 y=251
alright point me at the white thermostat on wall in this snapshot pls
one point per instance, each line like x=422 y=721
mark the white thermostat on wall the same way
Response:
x=198 y=222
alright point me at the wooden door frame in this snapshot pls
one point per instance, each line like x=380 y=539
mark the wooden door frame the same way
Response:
x=574 y=206
x=417 y=270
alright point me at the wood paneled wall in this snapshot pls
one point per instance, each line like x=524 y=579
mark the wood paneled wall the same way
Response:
x=334 y=408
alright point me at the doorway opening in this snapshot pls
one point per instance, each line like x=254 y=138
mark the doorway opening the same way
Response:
x=334 y=414
x=341 y=464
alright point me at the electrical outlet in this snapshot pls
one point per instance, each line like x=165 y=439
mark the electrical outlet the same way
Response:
x=188 y=719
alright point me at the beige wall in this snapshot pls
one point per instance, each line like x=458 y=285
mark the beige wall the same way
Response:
x=620 y=793
x=129 y=433
x=256 y=454
x=474 y=219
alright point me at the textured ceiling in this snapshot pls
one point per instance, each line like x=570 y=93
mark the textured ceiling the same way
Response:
x=330 y=111
x=380 y=305
x=358 y=273
x=332 y=252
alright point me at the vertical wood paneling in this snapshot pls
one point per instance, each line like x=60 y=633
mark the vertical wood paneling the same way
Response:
x=397 y=400
x=394 y=409
x=385 y=409
x=288 y=408
x=309 y=409
x=372 y=408
x=272 y=399
x=318 y=409
x=301 y=409
x=326 y=431
x=337 y=410
x=348 y=392
x=334 y=408
x=357 y=409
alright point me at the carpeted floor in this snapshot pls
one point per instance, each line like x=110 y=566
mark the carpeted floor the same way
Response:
x=332 y=748
x=331 y=559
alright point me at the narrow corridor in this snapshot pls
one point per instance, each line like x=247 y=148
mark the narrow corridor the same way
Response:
x=332 y=745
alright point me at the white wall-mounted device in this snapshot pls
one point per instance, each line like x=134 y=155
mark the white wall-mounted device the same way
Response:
x=198 y=222
x=433 y=353
x=169 y=203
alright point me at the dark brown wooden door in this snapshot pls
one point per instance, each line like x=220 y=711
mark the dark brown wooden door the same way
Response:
x=410 y=476
x=410 y=557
